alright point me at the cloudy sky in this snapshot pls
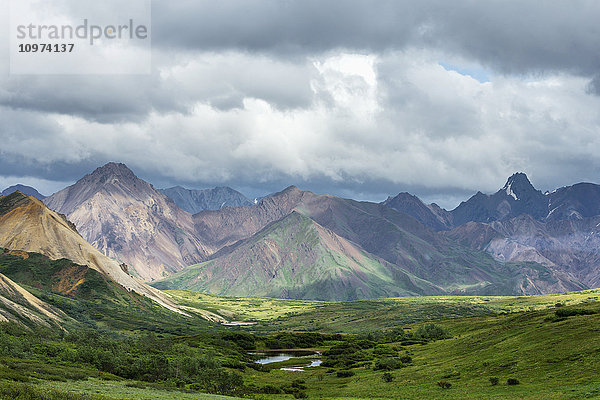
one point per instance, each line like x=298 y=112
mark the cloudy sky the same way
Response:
x=362 y=99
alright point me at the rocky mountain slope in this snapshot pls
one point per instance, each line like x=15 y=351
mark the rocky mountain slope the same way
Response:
x=572 y=246
x=28 y=190
x=575 y=202
x=402 y=239
x=26 y=224
x=127 y=219
x=194 y=200
x=430 y=215
x=558 y=229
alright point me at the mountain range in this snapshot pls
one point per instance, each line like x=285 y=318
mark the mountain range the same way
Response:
x=298 y=244
x=194 y=200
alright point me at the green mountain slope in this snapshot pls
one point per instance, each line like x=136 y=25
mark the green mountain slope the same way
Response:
x=297 y=258
x=83 y=297
x=19 y=306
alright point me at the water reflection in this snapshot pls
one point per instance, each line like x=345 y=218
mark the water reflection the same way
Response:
x=269 y=357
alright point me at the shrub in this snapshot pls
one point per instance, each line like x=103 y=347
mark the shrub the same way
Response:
x=512 y=381
x=444 y=384
x=299 y=384
x=569 y=312
x=387 y=377
x=270 y=389
x=300 y=395
x=433 y=332
x=347 y=354
x=388 y=364
x=494 y=380
x=406 y=359
x=346 y=373
x=384 y=351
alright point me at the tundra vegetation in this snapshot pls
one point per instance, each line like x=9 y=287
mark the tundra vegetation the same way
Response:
x=121 y=346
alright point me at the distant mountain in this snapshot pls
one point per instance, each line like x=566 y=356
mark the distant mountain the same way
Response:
x=128 y=219
x=432 y=215
x=518 y=196
x=194 y=200
x=579 y=201
x=570 y=246
x=28 y=190
x=26 y=224
x=297 y=258
x=220 y=228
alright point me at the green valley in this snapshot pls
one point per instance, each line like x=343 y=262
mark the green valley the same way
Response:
x=118 y=345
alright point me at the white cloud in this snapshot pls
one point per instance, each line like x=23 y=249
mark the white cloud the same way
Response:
x=392 y=120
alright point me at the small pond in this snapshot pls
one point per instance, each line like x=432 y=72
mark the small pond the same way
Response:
x=275 y=356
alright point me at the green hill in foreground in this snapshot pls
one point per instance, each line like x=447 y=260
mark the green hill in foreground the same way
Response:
x=89 y=298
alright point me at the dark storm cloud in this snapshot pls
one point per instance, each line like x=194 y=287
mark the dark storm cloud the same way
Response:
x=103 y=99
x=509 y=36
x=214 y=79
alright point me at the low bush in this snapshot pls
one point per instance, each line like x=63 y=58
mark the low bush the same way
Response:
x=444 y=384
x=512 y=381
x=433 y=332
x=270 y=389
x=388 y=364
x=569 y=312
x=346 y=373
x=406 y=359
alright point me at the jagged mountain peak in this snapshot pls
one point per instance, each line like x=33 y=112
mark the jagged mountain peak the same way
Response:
x=518 y=184
x=112 y=167
x=406 y=196
x=113 y=170
x=290 y=193
x=518 y=196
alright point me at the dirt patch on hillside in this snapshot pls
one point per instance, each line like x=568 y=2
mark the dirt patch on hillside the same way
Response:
x=69 y=279
x=18 y=253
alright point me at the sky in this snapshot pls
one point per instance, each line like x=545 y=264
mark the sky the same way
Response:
x=362 y=99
